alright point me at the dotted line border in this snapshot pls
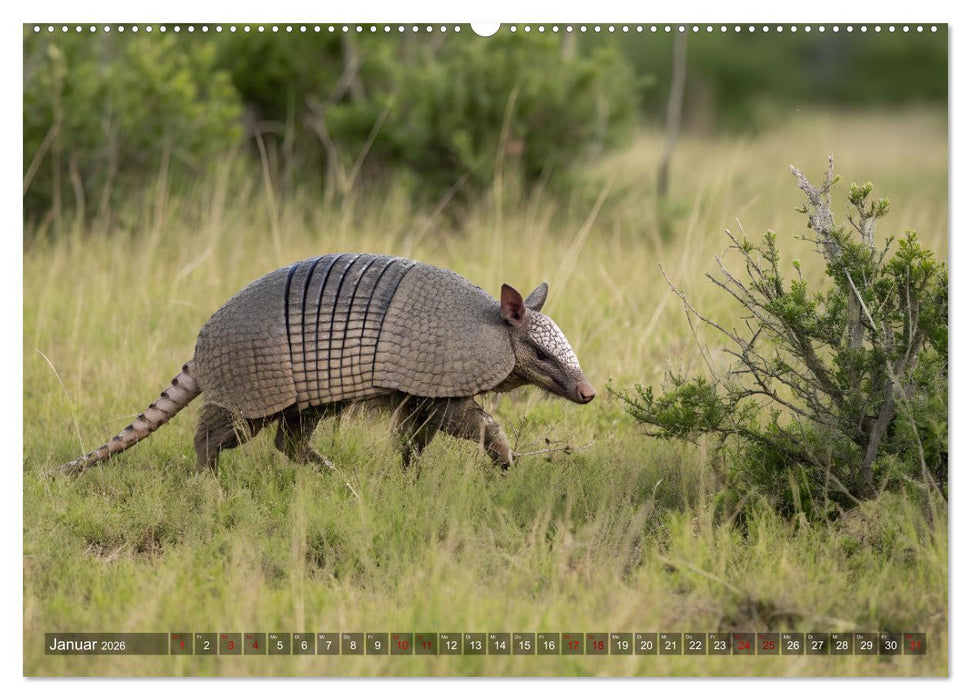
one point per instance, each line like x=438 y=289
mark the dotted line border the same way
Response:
x=512 y=28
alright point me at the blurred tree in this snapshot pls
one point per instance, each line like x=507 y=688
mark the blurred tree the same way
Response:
x=743 y=80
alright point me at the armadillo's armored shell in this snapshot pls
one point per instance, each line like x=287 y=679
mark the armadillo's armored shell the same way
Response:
x=442 y=337
x=346 y=327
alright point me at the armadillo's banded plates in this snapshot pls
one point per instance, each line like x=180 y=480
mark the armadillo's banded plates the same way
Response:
x=335 y=310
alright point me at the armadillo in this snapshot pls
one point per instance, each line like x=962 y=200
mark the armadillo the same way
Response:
x=308 y=340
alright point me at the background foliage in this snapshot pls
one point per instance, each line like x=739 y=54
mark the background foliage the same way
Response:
x=437 y=110
x=744 y=81
x=446 y=113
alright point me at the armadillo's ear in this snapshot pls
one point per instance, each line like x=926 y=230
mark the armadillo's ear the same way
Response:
x=513 y=307
x=536 y=298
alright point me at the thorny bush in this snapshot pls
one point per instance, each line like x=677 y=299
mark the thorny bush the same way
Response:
x=832 y=395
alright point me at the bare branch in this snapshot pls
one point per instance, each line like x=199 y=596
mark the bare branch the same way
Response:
x=689 y=308
x=859 y=300
x=820 y=214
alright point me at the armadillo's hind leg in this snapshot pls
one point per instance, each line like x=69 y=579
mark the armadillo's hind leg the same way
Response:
x=464 y=418
x=220 y=430
x=296 y=429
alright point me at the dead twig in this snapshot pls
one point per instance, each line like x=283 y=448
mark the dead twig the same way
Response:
x=566 y=449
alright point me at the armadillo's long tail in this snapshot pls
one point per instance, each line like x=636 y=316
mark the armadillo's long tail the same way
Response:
x=184 y=388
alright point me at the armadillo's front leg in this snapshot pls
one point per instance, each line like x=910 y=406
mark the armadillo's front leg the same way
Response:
x=416 y=420
x=464 y=418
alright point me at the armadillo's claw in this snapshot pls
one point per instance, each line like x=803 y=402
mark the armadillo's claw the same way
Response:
x=312 y=456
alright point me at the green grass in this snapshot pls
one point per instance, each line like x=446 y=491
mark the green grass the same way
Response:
x=620 y=536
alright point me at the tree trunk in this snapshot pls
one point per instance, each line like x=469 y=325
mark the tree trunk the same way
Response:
x=673 y=119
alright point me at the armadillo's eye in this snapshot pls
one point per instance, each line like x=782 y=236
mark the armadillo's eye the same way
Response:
x=542 y=356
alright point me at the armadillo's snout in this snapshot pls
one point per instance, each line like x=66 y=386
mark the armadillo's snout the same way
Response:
x=585 y=392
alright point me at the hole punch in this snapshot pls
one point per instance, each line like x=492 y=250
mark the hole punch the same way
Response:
x=485 y=29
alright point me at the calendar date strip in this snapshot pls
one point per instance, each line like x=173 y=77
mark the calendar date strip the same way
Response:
x=486 y=643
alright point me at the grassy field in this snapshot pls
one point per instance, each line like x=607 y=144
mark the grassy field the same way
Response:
x=620 y=536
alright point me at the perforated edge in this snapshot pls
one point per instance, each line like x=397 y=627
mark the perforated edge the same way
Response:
x=484 y=30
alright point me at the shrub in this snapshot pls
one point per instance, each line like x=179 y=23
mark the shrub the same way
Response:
x=437 y=110
x=514 y=98
x=833 y=395
x=105 y=113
